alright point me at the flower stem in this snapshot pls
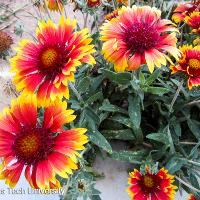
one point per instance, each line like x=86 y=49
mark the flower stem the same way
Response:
x=75 y=91
x=187 y=184
x=85 y=20
x=176 y=96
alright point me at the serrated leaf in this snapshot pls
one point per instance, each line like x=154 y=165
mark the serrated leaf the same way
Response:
x=134 y=110
x=119 y=78
x=157 y=90
x=135 y=157
x=98 y=139
x=125 y=134
x=175 y=164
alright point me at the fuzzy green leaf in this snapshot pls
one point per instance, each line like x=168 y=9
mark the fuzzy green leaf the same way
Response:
x=152 y=77
x=107 y=106
x=134 y=111
x=119 y=78
x=125 y=134
x=175 y=164
x=95 y=97
x=98 y=139
x=194 y=128
x=121 y=119
x=83 y=85
x=135 y=157
x=159 y=137
x=157 y=90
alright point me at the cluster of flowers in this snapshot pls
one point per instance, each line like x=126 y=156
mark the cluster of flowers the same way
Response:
x=31 y=130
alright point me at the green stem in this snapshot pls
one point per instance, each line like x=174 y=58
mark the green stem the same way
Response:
x=187 y=184
x=85 y=20
x=75 y=91
x=176 y=96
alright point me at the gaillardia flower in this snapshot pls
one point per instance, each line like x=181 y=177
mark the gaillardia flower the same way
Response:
x=112 y=15
x=196 y=41
x=5 y=41
x=193 y=20
x=138 y=36
x=54 y=5
x=38 y=143
x=47 y=65
x=191 y=197
x=93 y=3
x=184 y=10
x=189 y=64
x=152 y=186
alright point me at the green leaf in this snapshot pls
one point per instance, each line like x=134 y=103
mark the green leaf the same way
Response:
x=157 y=90
x=194 y=180
x=152 y=77
x=125 y=134
x=141 y=78
x=119 y=78
x=92 y=116
x=122 y=120
x=95 y=197
x=175 y=164
x=135 y=157
x=106 y=106
x=177 y=127
x=83 y=85
x=194 y=128
x=95 y=82
x=135 y=84
x=98 y=139
x=134 y=110
x=95 y=97
x=159 y=137
x=172 y=148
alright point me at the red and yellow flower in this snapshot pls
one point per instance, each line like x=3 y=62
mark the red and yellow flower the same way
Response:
x=54 y=5
x=189 y=64
x=193 y=20
x=138 y=36
x=38 y=143
x=112 y=15
x=196 y=41
x=152 y=186
x=93 y=3
x=46 y=66
x=184 y=10
x=191 y=197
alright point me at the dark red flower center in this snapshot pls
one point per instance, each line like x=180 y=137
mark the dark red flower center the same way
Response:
x=194 y=67
x=140 y=37
x=49 y=58
x=52 y=60
x=33 y=145
x=149 y=183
